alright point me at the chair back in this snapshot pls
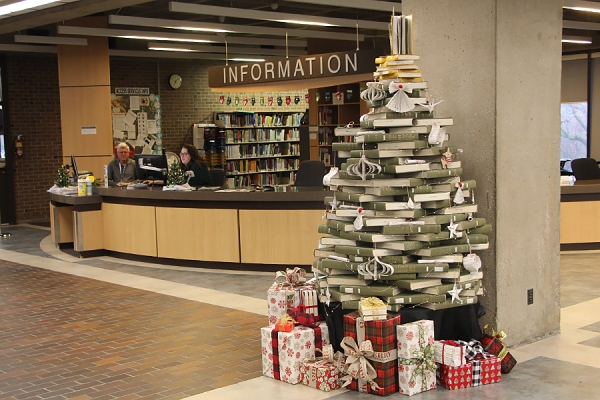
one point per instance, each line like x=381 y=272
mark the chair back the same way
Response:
x=585 y=169
x=218 y=176
x=310 y=173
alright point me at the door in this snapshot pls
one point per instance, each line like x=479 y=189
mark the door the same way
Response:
x=7 y=195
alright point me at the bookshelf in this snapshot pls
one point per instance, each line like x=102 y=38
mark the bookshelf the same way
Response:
x=332 y=107
x=262 y=148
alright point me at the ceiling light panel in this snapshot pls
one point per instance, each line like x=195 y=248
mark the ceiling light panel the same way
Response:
x=50 y=40
x=191 y=25
x=230 y=49
x=133 y=34
x=576 y=39
x=359 y=4
x=272 y=16
x=25 y=5
x=587 y=6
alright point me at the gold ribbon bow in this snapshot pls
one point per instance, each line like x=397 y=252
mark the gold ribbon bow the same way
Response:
x=500 y=335
x=372 y=302
x=358 y=367
x=291 y=277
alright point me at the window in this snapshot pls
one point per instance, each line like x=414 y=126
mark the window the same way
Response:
x=573 y=130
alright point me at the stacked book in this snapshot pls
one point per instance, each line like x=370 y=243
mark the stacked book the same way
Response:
x=400 y=222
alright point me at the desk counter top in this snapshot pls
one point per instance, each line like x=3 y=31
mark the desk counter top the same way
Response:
x=588 y=190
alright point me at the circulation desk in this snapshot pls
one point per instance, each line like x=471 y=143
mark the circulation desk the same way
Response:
x=232 y=230
x=580 y=216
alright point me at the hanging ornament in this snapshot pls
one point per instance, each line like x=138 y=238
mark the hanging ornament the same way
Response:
x=363 y=168
x=245 y=101
x=288 y=100
x=410 y=204
x=270 y=101
x=296 y=99
x=228 y=100
x=307 y=98
x=262 y=101
x=253 y=100
x=459 y=197
x=358 y=221
x=400 y=102
x=371 y=268
x=452 y=228
x=472 y=263
x=373 y=92
x=221 y=99
x=237 y=100
x=279 y=101
x=454 y=293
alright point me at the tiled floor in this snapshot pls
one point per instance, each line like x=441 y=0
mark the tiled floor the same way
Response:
x=104 y=328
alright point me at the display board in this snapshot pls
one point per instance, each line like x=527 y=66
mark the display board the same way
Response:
x=136 y=119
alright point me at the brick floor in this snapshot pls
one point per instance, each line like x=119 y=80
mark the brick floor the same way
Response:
x=66 y=337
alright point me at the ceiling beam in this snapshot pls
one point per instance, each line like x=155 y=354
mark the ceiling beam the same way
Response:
x=360 y=4
x=64 y=12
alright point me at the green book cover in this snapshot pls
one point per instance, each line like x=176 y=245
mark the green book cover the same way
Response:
x=370 y=123
x=438 y=173
x=338 y=295
x=370 y=237
x=387 y=206
x=415 y=144
x=419 y=283
x=410 y=229
x=432 y=205
x=396 y=276
x=445 y=287
x=396 y=182
x=442 y=250
x=330 y=263
x=463 y=208
x=344 y=175
x=405 y=245
x=415 y=298
x=487 y=228
x=413 y=268
x=450 y=304
x=350 y=304
x=417 y=213
x=435 y=151
x=337 y=146
x=348 y=226
x=391 y=191
x=371 y=289
x=406 y=168
x=387 y=137
x=366 y=251
x=472 y=238
x=328 y=230
x=430 y=237
x=360 y=198
x=473 y=223
x=423 y=197
x=442 y=219
x=452 y=273
x=381 y=153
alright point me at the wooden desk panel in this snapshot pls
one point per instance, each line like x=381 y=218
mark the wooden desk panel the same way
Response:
x=61 y=224
x=279 y=236
x=88 y=230
x=579 y=222
x=129 y=229
x=197 y=234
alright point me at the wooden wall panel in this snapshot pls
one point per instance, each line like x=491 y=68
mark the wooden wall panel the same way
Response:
x=84 y=65
x=86 y=106
x=198 y=234
x=579 y=222
x=279 y=236
x=129 y=229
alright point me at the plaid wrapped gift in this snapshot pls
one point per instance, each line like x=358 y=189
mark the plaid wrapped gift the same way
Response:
x=282 y=352
x=493 y=344
x=455 y=377
x=486 y=369
x=382 y=337
x=286 y=292
x=416 y=362
x=449 y=352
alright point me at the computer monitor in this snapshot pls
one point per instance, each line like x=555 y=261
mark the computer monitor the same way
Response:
x=151 y=166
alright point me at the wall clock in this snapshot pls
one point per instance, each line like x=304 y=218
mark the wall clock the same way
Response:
x=175 y=81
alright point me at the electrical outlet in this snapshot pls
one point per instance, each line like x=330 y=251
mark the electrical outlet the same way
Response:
x=529 y=296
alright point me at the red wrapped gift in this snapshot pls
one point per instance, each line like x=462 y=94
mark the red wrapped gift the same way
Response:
x=486 y=369
x=320 y=374
x=455 y=377
x=493 y=344
x=384 y=357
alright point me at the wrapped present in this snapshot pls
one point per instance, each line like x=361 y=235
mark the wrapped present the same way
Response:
x=282 y=352
x=493 y=344
x=449 y=352
x=323 y=373
x=486 y=366
x=455 y=377
x=372 y=363
x=372 y=309
x=416 y=362
x=286 y=292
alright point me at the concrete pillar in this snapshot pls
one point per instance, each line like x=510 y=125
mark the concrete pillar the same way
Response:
x=496 y=64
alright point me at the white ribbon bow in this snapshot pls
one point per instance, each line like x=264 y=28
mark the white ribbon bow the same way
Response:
x=358 y=367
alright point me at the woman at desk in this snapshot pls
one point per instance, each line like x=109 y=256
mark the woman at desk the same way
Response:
x=191 y=161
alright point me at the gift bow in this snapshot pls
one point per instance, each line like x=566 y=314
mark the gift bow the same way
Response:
x=358 y=367
x=291 y=277
x=424 y=359
x=303 y=318
x=472 y=348
x=372 y=302
x=284 y=322
x=500 y=335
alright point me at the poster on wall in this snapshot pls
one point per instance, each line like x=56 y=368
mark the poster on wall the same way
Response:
x=136 y=119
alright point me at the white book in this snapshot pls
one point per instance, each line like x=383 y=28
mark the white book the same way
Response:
x=450 y=258
x=385 y=123
x=347 y=189
x=401 y=145
x=400 y=62
x=325 y=253
x=395 y=182
x=382 y=221
x=399 y=169
x=345 y=131
x=343 y=153
x=400 y=74
x=420 y=197
x=331 y=240
x=398 y=245
x=353 y=212
x=336 y=217
x=480 y=246
x=410 y=129
x=395 y=206
x=468 y=208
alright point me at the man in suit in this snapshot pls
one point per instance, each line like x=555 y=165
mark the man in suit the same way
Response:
x=121 y=170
